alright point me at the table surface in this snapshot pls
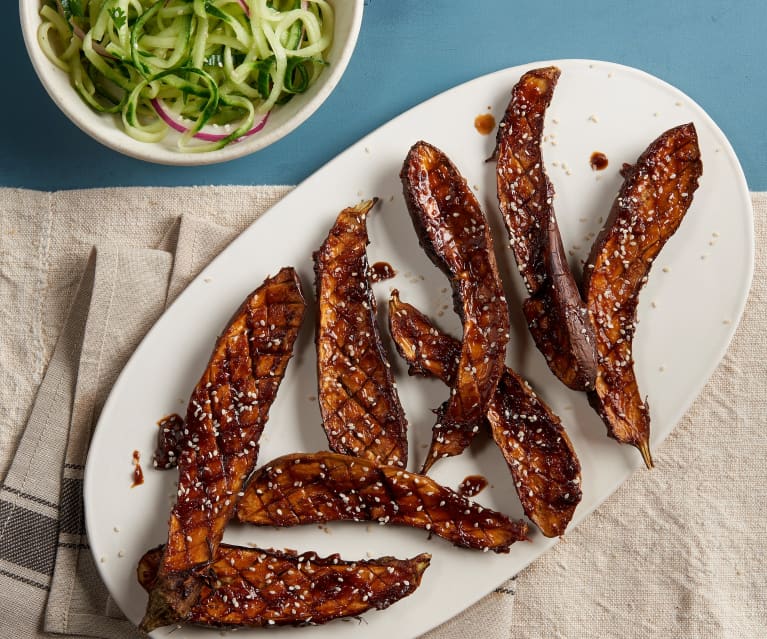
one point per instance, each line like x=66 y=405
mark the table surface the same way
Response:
x=408 y=51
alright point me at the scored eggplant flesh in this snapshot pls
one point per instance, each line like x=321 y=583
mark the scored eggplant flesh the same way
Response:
x=361 y=411
x=655 y=196
x=225 y=418
x=540 y=456
x=555 y=313
x=311 y=488
x=455 y=234
x=254 y=587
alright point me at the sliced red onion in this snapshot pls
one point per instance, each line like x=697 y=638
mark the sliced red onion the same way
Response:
x=96 y=46
x=162 y=111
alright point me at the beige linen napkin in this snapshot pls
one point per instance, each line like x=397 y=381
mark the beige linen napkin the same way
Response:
x=676 y=552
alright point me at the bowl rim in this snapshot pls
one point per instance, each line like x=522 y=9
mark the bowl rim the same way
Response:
x=78 y=111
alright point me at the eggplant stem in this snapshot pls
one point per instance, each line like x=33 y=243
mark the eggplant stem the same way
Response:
x=644 y=448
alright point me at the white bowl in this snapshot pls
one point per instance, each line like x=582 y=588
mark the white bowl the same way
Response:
x=106 y=129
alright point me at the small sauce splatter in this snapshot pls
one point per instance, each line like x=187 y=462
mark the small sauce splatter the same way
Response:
x=381 y=271
x=484 y=123
x=138 y=474
x=598 y=161
x=472 y=486
x=169 y=442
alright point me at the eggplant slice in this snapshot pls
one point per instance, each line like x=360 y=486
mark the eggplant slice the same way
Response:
x=307 y=488
x=225 y=418
x=361 y=411
x=655 y=196
x=554 y=310
x=455 y=235
x=254 y=587
x=543 y=464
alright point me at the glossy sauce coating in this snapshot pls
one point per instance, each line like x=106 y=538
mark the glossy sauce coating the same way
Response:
x=170 y=442
x=454 y=233
x=315 y=488
x=381 y=271
x=225 y=417
x=656 y=193
x=598 y=161
x=540 y=456
x=254 y=587
x=361 y=411
x=554 y=310
x=484 y=123
x=138 y=473
x=472 y=485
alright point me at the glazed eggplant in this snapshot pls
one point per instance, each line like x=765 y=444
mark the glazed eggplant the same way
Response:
x=554 y=310
x=307 y=488
x=361 y=411
x=455 y=235
x=655 y=196
x=540 y=456
x=170 y=442
x=254 y=587
x=225 y=417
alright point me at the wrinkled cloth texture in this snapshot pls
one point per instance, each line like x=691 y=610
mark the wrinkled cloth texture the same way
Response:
x=84 y=274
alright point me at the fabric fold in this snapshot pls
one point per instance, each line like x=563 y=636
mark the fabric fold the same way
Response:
x=128 y=296
x=29 y=499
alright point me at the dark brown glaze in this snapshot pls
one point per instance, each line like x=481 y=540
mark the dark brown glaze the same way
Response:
x=170 y=442
x=472 y=485
x=454 y=233
x=361 y=411
x=598 y=161
x=381 y=271
x=554 y=310
x=653 y=200
x=254 y=587
x=540 y=455
x=225 y=417
x=315 y=488
x=484 y=123
x=138 y=473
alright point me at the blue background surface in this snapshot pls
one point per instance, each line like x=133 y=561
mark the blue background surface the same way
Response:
x=408 y=51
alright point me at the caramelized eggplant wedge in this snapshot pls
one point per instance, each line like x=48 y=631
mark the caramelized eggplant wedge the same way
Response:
x=455 y=235
x=225 y=417
x=315 y=488
x=654 y=198
x=361 y=411
x=540 y=455
x=555 y=312
x=253 y=587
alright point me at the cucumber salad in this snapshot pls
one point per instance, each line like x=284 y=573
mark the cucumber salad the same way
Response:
x=209 y=69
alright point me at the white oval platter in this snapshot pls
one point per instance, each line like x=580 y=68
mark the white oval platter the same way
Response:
x=688 y=313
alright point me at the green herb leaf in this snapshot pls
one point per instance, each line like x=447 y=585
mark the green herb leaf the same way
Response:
x=72 y=9
x=118 y=16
